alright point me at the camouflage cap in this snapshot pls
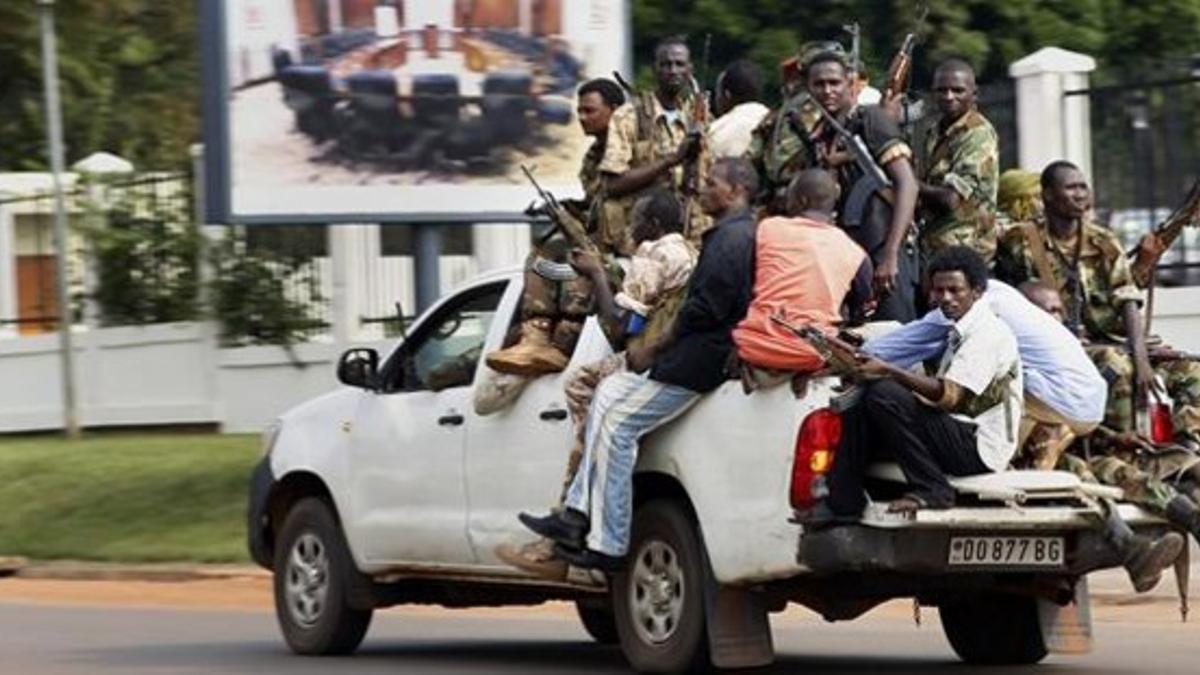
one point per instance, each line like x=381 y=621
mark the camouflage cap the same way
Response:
x=809 y=51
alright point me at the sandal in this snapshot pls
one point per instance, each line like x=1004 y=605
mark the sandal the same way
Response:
x=908 y=505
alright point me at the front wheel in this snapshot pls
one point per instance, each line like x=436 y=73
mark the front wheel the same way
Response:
x=659 y=597
x=313 y=574
x=994 y=628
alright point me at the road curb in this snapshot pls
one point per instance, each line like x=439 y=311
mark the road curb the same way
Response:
x=72 y=570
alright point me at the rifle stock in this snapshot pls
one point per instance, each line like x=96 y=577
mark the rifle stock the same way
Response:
x=1188 y=214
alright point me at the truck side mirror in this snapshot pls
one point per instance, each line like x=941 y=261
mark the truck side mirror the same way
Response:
x=359 y=368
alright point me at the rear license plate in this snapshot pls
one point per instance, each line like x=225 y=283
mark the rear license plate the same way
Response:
x=1007 y=551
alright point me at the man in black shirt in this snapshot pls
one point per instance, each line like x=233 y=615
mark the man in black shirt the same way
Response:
x=593 y=528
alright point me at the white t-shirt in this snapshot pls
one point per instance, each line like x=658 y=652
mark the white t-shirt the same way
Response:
x=729 y=135
x=979 y=350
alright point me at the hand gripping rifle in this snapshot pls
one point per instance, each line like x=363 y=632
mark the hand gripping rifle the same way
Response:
x=839 y=356
x=873 y=179
x=695 y=131
x=560 y=218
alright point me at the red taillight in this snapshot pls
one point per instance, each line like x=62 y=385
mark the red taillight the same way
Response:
x=1162 y=430
x=816 y=445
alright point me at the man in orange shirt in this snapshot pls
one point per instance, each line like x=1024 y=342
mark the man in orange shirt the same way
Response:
x=806 y=268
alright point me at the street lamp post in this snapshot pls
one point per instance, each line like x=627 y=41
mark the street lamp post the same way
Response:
x=54 y=133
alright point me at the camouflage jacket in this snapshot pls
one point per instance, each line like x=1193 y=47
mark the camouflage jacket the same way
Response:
x=642 y=131
x=778 y=146
x=1092 y=273
x=964 y=157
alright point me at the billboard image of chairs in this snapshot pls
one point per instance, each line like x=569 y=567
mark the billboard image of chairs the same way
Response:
x=353 y=110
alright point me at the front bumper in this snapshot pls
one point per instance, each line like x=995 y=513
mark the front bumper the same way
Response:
x=259 y=536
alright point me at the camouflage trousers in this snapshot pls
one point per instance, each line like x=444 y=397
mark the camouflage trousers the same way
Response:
x=580 y=389
x=1140 y=487
x=565 y=302
x=1182 y=379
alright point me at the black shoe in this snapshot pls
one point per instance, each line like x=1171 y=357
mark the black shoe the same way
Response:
x=567 y=528
x=821 y=516
x=589 y=559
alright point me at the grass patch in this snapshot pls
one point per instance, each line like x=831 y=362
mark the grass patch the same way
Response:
x=126 y=497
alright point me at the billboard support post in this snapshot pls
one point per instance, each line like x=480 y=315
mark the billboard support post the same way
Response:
x=427 y=254
x=54 y=133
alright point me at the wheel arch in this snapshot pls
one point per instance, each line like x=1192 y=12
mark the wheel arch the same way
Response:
x=285 y=493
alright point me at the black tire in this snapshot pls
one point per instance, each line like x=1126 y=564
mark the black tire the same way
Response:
x=664 y=538
x=598 y=620
x=994 y=629
x=313 y=623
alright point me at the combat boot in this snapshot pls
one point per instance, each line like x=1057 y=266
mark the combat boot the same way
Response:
x=533 y=354
x=1144 y=559
x=1184 y=513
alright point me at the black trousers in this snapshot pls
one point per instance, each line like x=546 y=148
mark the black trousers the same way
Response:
x=925 y=441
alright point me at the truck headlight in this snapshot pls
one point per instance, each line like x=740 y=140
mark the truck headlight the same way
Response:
x=269 y=435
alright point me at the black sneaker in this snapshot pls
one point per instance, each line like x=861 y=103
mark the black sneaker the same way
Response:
x=568 y=528
x=589 y=559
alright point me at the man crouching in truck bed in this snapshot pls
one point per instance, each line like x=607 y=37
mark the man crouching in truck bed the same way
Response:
x=962 y=421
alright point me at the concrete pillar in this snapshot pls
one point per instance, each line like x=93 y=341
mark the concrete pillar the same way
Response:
x=525 y=16
x=346 y=260
x=8 y=272
x=1050 y=125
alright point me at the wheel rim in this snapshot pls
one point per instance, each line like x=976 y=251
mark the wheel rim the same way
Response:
x=656 y=594
x=307 y=579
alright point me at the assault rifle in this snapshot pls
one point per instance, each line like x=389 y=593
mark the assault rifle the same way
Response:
x=900 y=67
x=696 y=126
x=1147 y=254
x=873 y=180
x=838 y=355
x=561 y=219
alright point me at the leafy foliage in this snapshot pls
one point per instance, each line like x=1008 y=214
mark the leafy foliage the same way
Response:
x=146 y=254
x=130 y=81
x=251 y=298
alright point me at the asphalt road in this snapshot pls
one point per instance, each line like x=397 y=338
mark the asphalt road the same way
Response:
x=37 y=638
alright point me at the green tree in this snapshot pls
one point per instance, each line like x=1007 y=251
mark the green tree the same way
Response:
x=130 y=81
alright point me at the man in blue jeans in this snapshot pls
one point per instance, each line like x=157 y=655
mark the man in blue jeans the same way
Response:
x=592 y=531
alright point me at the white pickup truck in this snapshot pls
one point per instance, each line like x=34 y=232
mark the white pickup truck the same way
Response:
x=390 y=490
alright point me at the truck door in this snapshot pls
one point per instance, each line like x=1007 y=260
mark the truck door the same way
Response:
x=517 y=457
x=408 y=441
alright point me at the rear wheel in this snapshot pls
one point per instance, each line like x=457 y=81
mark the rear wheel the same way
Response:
x=598 y=620
x=994 y=628
x=313 y=573
x=658 y=598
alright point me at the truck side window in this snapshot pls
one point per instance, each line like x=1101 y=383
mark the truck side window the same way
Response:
x=445 y=351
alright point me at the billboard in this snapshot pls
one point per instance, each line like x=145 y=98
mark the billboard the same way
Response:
x=397 y=110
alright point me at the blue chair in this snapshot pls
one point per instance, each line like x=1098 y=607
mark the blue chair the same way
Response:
x=435 y=97
x=374 y=108
x=308 y=91
x=507 y=101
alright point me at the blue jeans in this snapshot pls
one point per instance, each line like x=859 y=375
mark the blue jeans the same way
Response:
x=626 y=407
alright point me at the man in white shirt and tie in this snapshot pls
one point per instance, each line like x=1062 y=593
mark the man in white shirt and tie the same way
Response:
x=961 y=421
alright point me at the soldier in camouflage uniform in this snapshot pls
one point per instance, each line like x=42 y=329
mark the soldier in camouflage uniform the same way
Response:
x=555 y=300
x=797 y=137
x=1085 y=262
x=656 y=139
x=1166 y=491
x=960 y=168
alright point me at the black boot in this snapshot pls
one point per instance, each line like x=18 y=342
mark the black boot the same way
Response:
x=1183 y=512
x=568 y=527
x=1144 y=559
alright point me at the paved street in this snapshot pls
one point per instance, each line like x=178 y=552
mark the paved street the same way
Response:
x=91 y=628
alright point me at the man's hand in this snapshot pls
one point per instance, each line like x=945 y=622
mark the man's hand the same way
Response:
x=886 y=274
x=639 y=358
x=871 y=368
x=688 y=150
x=1143 y=374
x=586 y=263
x=1149 y=250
